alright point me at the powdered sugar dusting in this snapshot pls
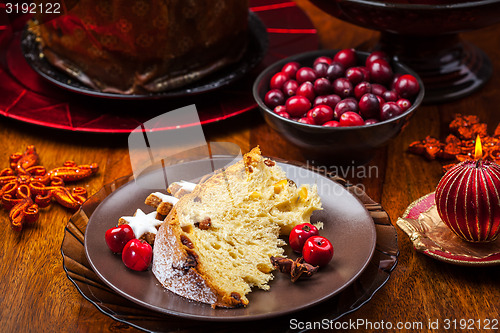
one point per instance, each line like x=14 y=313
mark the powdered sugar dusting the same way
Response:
x=167 y=267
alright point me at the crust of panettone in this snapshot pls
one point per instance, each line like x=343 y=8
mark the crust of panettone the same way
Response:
x=177 y=268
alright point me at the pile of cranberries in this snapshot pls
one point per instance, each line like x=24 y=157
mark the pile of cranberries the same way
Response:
x=136 y=254
x=316 y=250
x=339 y=91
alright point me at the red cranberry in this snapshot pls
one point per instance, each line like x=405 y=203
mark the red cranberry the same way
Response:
x=366 y=72
x=394 y=79
x=355 y=75
x=297 y=106
x=291 y=69
x=320 y=114
x=351 y=119
x=137 y=255
x=305 y=74
x=390 y=110
x=320 y=100
x=306 y=89
x=278 y=80
x=378 y=89
x=390 y=96
x=376 y=55
x=280 y=108
x=320 y=69
x=283 y=114
x=403 y=103
x=330 y=100
x=346 y=57
x=362 y=88
x=273 y=98
x=299 y=234
x=306 y=120
x=322 y=86
x=345 y=105
x=334 y=71
x=381 y=101
x=369 y=106
x=342 y=87
x=117 y=237
x=407 y=86
x=332 y=123
x=371 y=121
x=308 y=114
x=380 y=71
x=290 y=88
x=323 y=59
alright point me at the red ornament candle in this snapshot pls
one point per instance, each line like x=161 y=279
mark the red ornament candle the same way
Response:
x=468 y=199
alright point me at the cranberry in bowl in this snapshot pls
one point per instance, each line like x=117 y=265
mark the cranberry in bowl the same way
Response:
x=348 y=105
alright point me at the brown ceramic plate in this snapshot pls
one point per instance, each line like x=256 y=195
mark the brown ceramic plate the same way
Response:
x=347 y=224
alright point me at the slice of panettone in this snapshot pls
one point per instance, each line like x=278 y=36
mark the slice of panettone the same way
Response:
x=216 y=242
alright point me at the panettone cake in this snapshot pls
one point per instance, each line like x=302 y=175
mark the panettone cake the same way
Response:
x=144 y=46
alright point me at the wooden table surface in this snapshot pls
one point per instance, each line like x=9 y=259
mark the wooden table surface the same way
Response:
x=36 y=295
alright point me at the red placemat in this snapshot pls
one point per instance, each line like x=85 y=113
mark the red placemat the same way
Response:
x=28 y=97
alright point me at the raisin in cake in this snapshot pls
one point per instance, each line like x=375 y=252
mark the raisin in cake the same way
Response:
x=216 y=242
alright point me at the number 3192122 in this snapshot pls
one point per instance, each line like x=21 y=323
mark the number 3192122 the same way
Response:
x=33 y=8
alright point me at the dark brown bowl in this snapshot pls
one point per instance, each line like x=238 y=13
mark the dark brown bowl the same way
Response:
x=423 y=34
x=333 y=145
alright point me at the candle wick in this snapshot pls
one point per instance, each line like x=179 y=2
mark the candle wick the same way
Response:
x=477 y=162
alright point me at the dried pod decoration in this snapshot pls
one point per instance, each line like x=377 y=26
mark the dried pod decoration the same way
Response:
x=296 y=268
x=26 y=186
x=459 y=144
